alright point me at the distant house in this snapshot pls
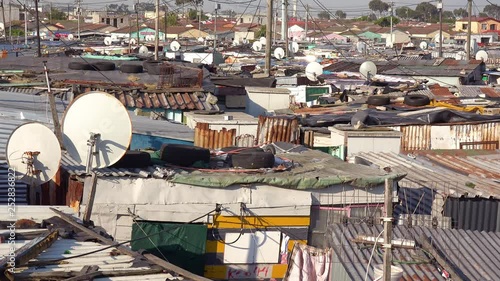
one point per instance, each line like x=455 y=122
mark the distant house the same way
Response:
x=145 y=33
x=116 y=20
x=177 y=32
x=371 y=36
x=478 y=24
x=11 y=13
x=251 y=18
x=296 y=33
x=427 y=33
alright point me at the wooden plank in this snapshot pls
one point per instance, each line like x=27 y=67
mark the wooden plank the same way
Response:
x=88 y=272
x=174 y=268
x=56 y=275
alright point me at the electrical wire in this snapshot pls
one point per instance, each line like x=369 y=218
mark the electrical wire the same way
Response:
x=121 y=243
x=372 y=254
x=219 y=239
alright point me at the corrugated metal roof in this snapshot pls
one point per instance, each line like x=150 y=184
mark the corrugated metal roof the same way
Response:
x=473 y=91
x=474 y=255
x=177 y=100
x=422 y=173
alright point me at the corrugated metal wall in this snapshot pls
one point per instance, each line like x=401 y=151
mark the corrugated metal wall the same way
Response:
x=479 y=214
x=278 y=128
x=212 y=139
x=21 y=189
x=458 y=136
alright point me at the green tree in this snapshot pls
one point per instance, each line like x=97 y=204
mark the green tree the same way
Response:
x=261 y=32
x=172 y=19
x=448 y=17
x=427 y=12
x=324 y=15
x=340 y=14
x=386 y=21
x=378 y=6
x=184 y=2
x=56 y=14
x=460 y=13
x=370 y=17
x=193 y=15
x=492 y=11
x=17 y=32
x=405 y=12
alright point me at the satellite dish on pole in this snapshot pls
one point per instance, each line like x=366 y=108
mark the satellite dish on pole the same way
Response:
x=201 y=39
x=482 y=55
x=34 y=152
x=236 y=43
x=461 y=55
x=100 y=139
x=361 y=47
x=313 y=70
x=423 y=45
x=175 y=46
x=143 y=50
x=71 y=37
x=108 y=41
x=114 y=37
x=245 y=41
x=256 y=46
x=293 y=47
x=279 y=53
x=368 y=69
x=133 y=41
x=263 y=40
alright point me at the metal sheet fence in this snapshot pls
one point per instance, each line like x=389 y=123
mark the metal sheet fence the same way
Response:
x=213 y=139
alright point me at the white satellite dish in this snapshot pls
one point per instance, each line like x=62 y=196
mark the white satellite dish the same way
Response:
x=108 y=41
x=71 y=37
x=361 y=47
x=473 y=46
x=114 y=37
x=461 y=55
x=279 y=53
x=313 y=70
x=482 y=55
x=34 y=152
x=201 y=39
x=436 y=38
x=262 y=40
x=256 y=46
x=368 y=69
x=175 y=46
x=245 y=41
x=293 y=47
x=236 y=43
x=423 y=45
x=100 y=139
x=143 y=50
x=133 y=41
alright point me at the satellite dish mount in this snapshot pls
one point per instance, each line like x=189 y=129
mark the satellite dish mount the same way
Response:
x=92 y=151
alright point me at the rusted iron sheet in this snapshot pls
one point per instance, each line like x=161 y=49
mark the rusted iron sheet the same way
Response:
x=245 y=140
x=278 y=128
x=213 y=139
x=461 y=165
x=478 y=136
x=415 y=137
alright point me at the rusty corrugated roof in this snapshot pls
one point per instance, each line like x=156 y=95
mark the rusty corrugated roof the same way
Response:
x=178 y=100
x=490 y=92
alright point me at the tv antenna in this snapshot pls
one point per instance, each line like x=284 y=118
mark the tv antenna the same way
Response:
x=96 y=133
x=34 y=152
x=313 y=70
x=368 y=69
x=257 y=46
x=279 y=53
x=175 y=46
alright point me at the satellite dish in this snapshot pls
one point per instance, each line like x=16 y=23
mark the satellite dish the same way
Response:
x=313 y=70
x=108 y=41
x=114 y=37
x=461 y=55
x=71 y=37
x=256 y=46
x=201 y=39
x=473 y=46
x=293 y=47
x=279 y=53
x=245 y=41
x=175 y=46
x=143 y=50
x=423 y=45
x=368 y=69
x=361 y=47
x=105 y=133
x=436 y=38
x=133 y=41
x=34 y=152
x=236 y=43
x=262 y=40
x=482 y=55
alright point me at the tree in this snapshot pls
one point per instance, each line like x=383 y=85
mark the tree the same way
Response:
x=261 y=32
x=378 y=6
x=122 y=8
x=144 y=6
x=492 y=11
x=427 y=12
x=461 y=13
x=17 y=32
x=405 y=13
x=193 y=15
x=448 y=16
x=184 y=2
x=386 y=21
x=371 y=17
x=172 y=19
x=56 y=14
x=324 y=15
x=340 y=14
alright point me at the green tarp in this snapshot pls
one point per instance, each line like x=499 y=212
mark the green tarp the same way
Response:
x=182 y=244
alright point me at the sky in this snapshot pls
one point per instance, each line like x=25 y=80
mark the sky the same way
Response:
x=355 y=8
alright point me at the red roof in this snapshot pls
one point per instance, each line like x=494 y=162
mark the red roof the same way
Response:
x=477 y=19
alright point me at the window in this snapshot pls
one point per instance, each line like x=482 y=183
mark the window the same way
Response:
x=121 y=20
x=464 y=26
x=493 y=27
x=102 y=20
x=484 y=26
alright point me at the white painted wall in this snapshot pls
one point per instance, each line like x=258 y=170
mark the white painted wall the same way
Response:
x=369 y=144
x=261 y=100
x=161 y=200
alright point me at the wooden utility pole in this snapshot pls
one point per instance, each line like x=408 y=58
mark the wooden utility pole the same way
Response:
x=440 y=7
x=157 y=28
x=3 y=17
x=53 y=108
x=269 y=32
x=307 y=19
x=469 y=29
x=10 y=22
x=285 y=23
x=39 y=48
x=387 y=230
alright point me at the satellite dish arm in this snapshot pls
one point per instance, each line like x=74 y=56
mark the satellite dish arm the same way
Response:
x=92 y=151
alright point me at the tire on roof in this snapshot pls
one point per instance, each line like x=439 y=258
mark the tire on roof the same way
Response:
x=131 y=68
x=74 y=65
x=183 y=155
x=104 y=66
x=378 y=100
x=134 y=159
x=417 y=100
x=253 y=160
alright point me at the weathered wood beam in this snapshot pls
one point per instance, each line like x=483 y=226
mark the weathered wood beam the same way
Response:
x=88 y=273
x=65 y=275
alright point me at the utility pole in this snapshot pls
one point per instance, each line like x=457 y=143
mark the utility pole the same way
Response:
x=294 y=12
x=53 y=109
x=469 y=29
x=157 y=27
x=136 y=8
x=387 y=230
x=25 y=23
x=307 y=19
x=199 y=20
x=165 y=23
x=3 y=17
x=78 y=12
x=391 y=9
x=283 y=20
x=10 y=20
x=39 y=49
x=217 y=7
x=269 y=32
x=440 y=8
x=50 y=13
x=275 y=20
x=287 y=48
